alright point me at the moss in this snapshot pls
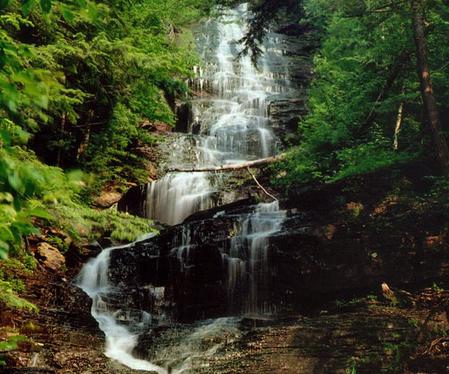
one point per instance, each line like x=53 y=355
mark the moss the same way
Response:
x=11 y=286
x=83 y=223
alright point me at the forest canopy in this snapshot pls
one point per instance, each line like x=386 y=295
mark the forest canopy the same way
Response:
x=380 y=92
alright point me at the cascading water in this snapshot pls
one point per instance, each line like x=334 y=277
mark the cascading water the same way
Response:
x=120 y=340
x=247 y=263
x=178 y=195
x=232 y=115
x=123 y=327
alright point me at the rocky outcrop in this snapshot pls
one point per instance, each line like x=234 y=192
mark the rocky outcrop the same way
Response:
x=297 y=43
x=133 y=201
x=193 y=280
x=337 y=241
x=363 y=336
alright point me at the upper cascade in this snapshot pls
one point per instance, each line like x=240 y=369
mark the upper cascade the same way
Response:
x=230 y=116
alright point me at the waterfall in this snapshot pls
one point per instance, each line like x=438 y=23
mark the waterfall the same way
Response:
x=231 y=112
x=178 y=195
x=120 y=340
x=247 y=261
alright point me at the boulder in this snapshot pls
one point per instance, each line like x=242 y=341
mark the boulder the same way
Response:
x=49 y=257
x=108 y=199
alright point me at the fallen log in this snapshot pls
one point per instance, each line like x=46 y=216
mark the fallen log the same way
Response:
x=232 y=167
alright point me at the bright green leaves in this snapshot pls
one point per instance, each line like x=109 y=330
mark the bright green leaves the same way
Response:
x=27 y=188
x=67 y=13
x=9 y=297
x=46 y=5
x=358 y=53
x=27 y=6
x=12 y=343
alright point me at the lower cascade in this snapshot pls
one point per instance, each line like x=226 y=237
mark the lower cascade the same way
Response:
x=128 y=318
x=120 y=339
x=247 y=262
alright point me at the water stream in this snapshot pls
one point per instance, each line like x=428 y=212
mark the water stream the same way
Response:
x=231 y=115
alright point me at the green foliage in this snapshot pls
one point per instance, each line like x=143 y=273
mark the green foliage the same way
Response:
x=356 y=95
x=9 y=298
x=11 y=285
x=11 y=344
x=27 y=188
x=83 y=76
x=365 y=158
x=78 y=78
x=84 y=223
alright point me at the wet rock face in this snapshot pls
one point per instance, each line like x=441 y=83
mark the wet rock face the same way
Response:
x=335 y=242
x=184 y=117
x=133 y=202
x=297 y=44
x=191 y=275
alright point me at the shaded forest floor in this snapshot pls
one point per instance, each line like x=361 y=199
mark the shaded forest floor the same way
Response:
x=357 y=336
x=362 y=335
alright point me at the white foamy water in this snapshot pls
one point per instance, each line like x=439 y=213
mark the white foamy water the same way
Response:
x=231 y=113
x=120 y=341
x=186 y=351
x=195 y=346
x=247 y=263
x=178 y=195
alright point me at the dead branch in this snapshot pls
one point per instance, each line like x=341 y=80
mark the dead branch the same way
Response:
x=260 y=186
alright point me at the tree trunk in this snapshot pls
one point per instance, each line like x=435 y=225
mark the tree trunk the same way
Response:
x=86 y=136
x=233 y=167
x=397 y=128
x=62 y=129
x=428 y=97
x=393 y=73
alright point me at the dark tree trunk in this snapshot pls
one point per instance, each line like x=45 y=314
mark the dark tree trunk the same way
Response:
x=426 y=85
x=393 y=73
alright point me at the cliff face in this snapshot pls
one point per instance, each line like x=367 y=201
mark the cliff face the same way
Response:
x=336 y=241
x=298 y=45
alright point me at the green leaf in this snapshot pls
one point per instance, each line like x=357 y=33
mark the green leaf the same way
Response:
x=15 y=182
x=67 y=14
x=46 y=5
x=4 y=4
x=12 y=343
x=27 y=6
x=4 y=250
x=40 y=213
